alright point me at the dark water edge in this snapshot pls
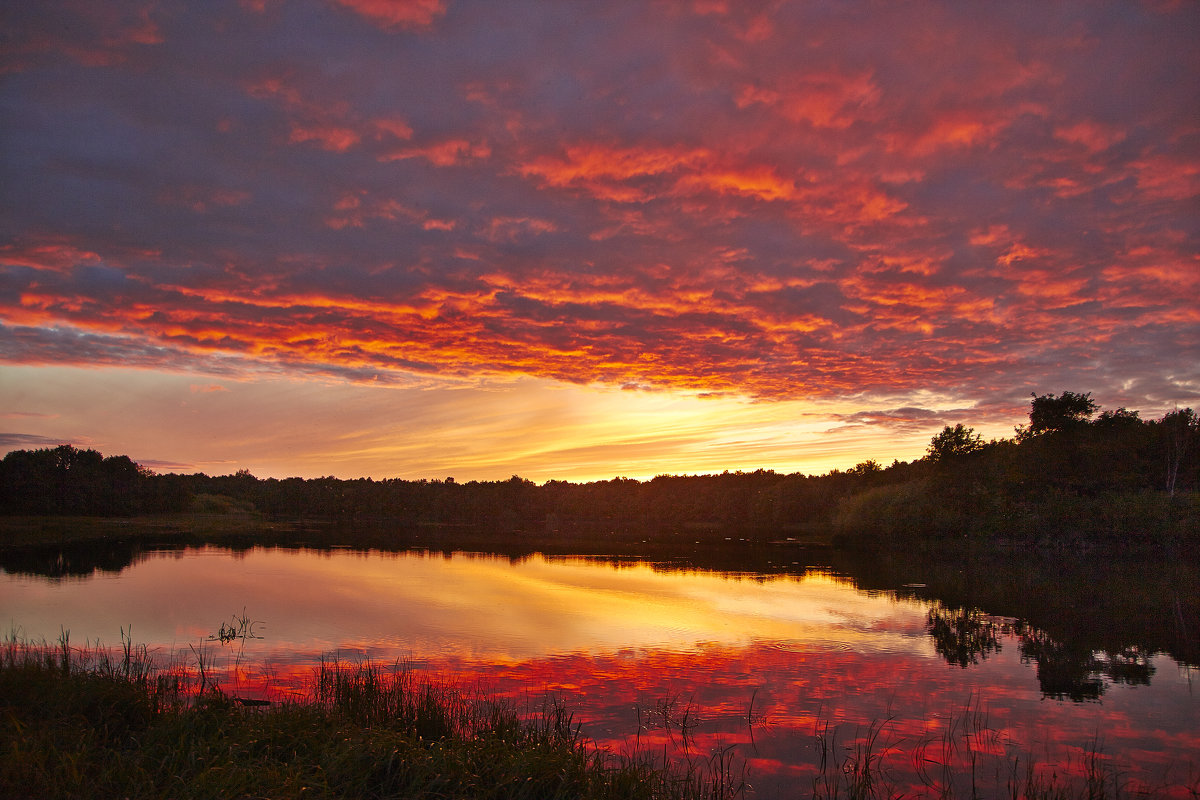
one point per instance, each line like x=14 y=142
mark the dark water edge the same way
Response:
x=1086 y=618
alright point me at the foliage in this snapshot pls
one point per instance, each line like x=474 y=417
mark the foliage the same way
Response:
x=954 y=442
x=1179 y=435
x=1048 y=414
x=66 y=480
x=1064 y=480
x=1066 y=483
x=893 y=515
x=78 y=724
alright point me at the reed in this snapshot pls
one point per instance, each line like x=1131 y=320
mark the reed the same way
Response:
x=854 y=771
x=84 y=722
x=961 y=761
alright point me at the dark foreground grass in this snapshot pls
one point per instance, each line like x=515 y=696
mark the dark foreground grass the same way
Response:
x=183 y=528
x=88 y=724
x=94 y=723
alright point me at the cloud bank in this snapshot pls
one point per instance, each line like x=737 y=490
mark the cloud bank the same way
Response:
x=767 y=200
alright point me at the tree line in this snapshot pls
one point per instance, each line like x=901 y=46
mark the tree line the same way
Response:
x=1072 y=475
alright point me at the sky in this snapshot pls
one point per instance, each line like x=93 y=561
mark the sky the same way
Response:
x=569 y=240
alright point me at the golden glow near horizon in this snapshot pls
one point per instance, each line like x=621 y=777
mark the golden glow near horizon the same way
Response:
x=466 y=607
x=536 y=429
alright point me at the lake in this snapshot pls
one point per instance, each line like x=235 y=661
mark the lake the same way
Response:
x=932 y=674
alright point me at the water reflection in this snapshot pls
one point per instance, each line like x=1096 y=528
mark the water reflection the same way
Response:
x=767 y=661
x=1065 y=670
x=463 y=606
x=1067 y=611
x=64 y=563
x=965 y=636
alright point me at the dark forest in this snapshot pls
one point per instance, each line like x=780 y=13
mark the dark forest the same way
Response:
x=1073 y=476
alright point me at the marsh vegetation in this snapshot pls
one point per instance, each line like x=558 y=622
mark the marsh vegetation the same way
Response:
x=88 y=723
x=95 y=723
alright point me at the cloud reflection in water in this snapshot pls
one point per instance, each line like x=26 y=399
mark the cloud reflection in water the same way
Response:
x=616 y=641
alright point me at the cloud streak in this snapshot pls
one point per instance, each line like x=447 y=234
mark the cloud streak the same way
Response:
x=800 y=201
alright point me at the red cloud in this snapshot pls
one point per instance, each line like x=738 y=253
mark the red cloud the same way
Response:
x=821 y=100
x=612 y=173
x=397 y=14
x=334 y=138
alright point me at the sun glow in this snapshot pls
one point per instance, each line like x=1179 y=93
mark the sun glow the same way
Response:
x=470 y=430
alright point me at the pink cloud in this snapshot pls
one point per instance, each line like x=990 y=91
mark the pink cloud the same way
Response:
x=334 y=138
x=397 y=14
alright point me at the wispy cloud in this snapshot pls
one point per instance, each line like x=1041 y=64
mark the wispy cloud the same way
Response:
x=27 y=441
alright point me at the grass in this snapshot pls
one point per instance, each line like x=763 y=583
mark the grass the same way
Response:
x=84 y=722
x=42 y=531
x=962 y=762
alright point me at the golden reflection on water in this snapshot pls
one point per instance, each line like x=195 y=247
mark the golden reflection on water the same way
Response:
x=765 y=661
x=460 y=605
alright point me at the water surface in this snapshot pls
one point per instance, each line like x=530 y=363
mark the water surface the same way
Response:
x=759 y=662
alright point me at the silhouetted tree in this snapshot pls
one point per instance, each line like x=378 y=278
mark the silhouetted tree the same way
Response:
x=1120 y=419
x=952 y=442
x=1047 y=413
x=67 y=480
x=1180 y=433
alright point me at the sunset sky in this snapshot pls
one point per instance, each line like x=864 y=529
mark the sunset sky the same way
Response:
x=430 y=238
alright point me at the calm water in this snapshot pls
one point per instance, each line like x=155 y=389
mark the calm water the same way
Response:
x=760 y=662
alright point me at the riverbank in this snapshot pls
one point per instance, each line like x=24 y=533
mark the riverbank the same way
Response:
x=249 y=528
x=86 y=724
x=37 y=531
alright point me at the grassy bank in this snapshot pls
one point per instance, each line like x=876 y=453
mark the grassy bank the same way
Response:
x=245 y=529
x=80 y=723
x=83 y=724
x=38 y=531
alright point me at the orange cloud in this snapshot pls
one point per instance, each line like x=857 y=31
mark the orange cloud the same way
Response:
x=1168 y=177
x=356 y=210
x=828 y=100
x=606 y=171
x=102 y=35
x=952 y=130
x=47 y=256
x=760 y=182
x=395 y=127
x=510 y=229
